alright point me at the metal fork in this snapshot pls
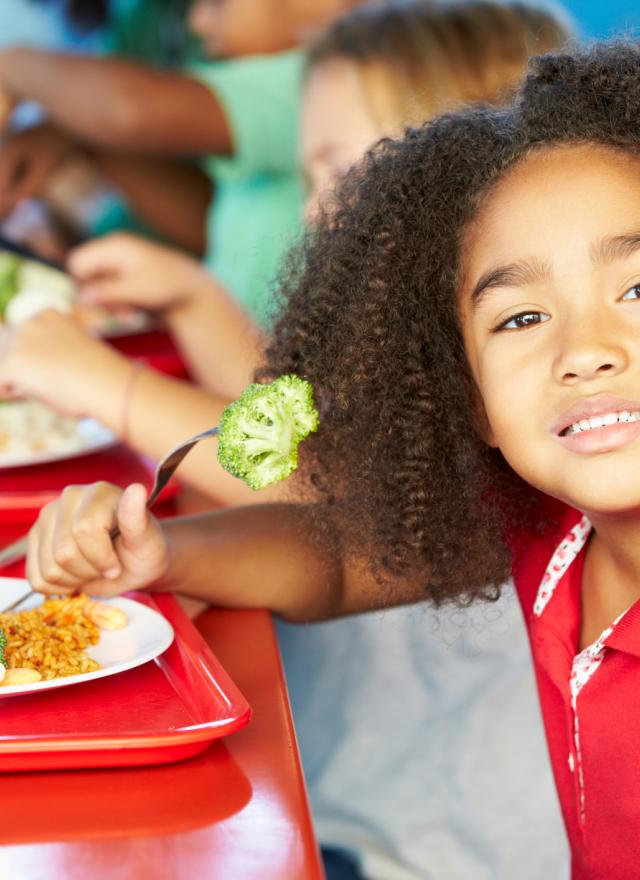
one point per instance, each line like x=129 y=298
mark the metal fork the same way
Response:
x=165 y=469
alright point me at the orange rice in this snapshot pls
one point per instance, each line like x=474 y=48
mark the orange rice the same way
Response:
x=51 y=638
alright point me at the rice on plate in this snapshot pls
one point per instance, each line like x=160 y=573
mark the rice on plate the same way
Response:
x=28 y=427
x=50 y=641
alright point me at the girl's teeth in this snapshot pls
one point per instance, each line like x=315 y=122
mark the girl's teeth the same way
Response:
x=603 y=421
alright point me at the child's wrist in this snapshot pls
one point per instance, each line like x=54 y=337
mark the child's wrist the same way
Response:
x=188 y=302
x=127 y=400
x=105 y=388
x=165 y=582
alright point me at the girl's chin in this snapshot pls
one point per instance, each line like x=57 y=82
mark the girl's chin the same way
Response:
x=599 y=500
x=606 y=485
x=597 y=505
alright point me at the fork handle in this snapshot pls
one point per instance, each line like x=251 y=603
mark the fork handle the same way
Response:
x=167 y=466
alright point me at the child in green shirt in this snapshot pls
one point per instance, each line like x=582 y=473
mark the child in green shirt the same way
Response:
x=241 y=110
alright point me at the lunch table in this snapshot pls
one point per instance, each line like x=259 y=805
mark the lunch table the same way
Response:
x=237 y=811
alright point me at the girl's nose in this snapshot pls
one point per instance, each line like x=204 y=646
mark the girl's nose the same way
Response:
x=585 y=361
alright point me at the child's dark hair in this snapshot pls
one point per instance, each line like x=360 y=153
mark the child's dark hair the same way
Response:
x=371 y=319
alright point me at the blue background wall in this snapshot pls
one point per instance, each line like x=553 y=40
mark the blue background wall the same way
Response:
x=601 y=18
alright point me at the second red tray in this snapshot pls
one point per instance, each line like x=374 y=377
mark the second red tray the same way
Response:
x=24 y=490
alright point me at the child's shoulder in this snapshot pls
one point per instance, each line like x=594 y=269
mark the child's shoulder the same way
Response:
x=281 y=72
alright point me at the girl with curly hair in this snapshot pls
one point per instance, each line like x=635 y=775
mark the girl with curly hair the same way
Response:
x=450 y=675
x=468 y=313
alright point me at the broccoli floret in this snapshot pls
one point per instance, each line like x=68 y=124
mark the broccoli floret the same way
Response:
x=259 y=433
x=3 y=645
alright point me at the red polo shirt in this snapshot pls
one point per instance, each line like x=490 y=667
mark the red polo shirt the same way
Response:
x=590 y=704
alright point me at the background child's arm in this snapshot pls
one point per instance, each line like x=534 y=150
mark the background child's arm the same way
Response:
x=170 y=196
x=262 y=556
x=115 y=103
x=217 y=339
x=50 y=357
x=28 y=159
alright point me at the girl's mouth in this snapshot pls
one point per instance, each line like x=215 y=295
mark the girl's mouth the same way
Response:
x=603 y=433
x=598 y=424
x=603 y=421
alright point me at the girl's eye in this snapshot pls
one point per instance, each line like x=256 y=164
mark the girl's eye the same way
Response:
x=523 y=320
x=633 y=292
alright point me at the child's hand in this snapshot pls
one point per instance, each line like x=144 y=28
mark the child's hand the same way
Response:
x=27 y=160
x=70 y=547
x=122 y=269
x=52 y=358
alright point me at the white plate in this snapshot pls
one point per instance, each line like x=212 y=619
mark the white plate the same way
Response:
x=94 y=437
x=146 y=636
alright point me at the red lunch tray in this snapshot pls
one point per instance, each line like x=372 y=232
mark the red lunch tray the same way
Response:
x=24 y=490
x=168 y=709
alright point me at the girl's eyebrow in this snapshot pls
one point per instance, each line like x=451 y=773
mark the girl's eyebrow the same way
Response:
x=615 y=247
x=517 y=274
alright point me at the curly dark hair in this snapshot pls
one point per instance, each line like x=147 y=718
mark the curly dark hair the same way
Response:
x=371 y=319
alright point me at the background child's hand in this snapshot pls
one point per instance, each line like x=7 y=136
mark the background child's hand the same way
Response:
x=52 y=358
x=70 y=547
x=123 y=269
x=27 y=160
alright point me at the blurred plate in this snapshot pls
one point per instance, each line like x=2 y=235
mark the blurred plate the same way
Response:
x=147 y=635
x=92 y=437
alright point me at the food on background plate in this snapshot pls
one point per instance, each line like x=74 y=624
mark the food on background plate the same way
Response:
x=28 y=287
x=28 y=427
x=50 y=641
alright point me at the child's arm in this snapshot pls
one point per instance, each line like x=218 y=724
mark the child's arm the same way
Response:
x=110 y=102
x=218 y=340
x=265 y=556
x=50 y=357
x=27 y=161
x=171 y=196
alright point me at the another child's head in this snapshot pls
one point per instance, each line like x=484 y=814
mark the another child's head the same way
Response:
x=470 y=302
x=385 y=66
x=231 y=28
